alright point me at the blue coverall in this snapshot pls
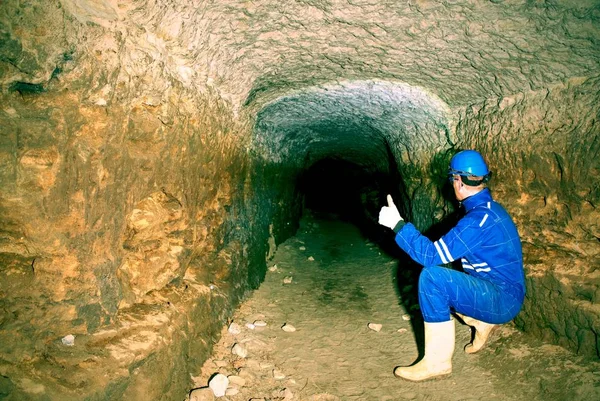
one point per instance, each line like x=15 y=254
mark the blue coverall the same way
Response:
x=487 y=242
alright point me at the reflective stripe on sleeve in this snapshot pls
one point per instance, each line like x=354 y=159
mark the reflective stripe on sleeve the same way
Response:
x=439 y=250
x=467 y=266
x=483 y=220
x=443 y=251
x=480 y=267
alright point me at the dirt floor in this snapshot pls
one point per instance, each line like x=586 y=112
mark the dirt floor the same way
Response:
x=341 y=282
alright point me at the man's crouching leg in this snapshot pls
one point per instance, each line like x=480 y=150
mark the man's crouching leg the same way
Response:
x=483 y=332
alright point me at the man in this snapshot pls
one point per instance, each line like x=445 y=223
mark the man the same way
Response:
x=491 y=289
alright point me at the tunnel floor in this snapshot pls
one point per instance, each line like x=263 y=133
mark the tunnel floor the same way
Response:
x=341 y=282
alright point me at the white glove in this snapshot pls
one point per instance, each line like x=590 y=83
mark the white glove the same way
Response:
x=389 y=215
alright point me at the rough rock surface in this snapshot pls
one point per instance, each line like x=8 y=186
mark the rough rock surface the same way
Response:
x=151 y=156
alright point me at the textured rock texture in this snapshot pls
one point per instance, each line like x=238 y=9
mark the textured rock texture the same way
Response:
x=149 y=155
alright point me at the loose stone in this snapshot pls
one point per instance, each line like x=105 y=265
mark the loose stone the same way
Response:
x=234 y=328
x=250 y=326
x=202 y=394
x=375 y=326
x=287 y=280
x=218 y=384
x=401 y=331
x=284 y=394
x=239 y=350
x=273 y=268
x=302 y=248
x=260 y=323
x=311 y=258
x=237 y=380
x=288 y=328
x=68 y=340
x=278 y=375
x=232 y=391
x=406 y=317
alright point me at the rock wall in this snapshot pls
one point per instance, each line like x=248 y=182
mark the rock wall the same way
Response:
x=108 y=209
x=544 y=149
x=132 y=217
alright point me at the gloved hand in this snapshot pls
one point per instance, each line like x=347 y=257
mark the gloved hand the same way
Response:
x=389 y=215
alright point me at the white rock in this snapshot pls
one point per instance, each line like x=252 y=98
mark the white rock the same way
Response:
x=311 y=258
x=260 y=323
x=273 y=268
x=401 y=331
x=250 y=326
x=406 y=317
x=288 y=328
x=68 y=340
x=202 y=394
x=234 y=328
x=287 y=280
x=375 y=326
x=218 y=384
x=278 y=375
x=239 y=350
x=237 y=380
x=302 y=248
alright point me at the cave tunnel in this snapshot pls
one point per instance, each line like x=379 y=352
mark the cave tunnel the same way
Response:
x=341 y=144
x=189 y=194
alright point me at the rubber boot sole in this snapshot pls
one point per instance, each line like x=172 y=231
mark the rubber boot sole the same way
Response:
x=436 y=377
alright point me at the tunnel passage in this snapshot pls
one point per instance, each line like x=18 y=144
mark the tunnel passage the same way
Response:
x=111 y=112
x=348 y=144
x=342 y=189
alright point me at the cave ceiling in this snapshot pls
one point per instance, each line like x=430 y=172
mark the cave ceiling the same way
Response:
x=253 y=52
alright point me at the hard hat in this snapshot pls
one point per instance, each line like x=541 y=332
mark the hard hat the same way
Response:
x=468 y=162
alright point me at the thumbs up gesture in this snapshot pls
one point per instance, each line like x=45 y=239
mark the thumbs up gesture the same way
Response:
x=389 y=215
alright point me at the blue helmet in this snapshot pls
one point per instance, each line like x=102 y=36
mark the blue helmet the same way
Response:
x=468 y=162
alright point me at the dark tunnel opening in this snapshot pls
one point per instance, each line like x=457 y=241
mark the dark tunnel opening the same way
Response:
x=334 y=188
x=337 y=188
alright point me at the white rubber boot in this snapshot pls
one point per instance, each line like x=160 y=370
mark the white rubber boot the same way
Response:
x=439 y=348
x=482 y=333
